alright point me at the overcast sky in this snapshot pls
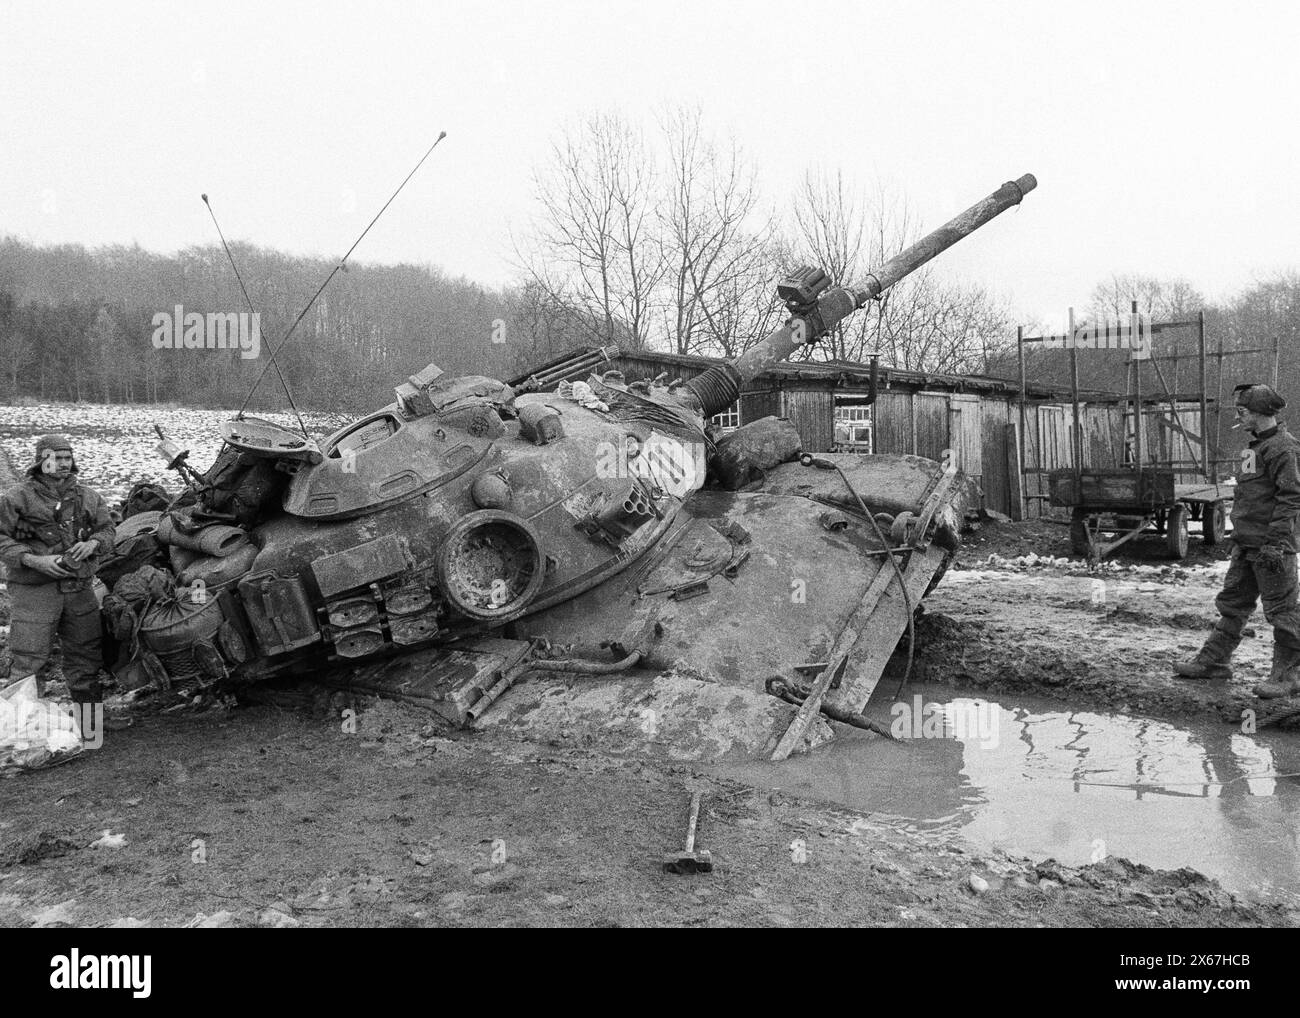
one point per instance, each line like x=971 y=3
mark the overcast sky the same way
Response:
x=1164 y=136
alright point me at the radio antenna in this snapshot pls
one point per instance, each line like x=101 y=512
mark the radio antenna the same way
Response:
x=249 y=301
x=342 y=263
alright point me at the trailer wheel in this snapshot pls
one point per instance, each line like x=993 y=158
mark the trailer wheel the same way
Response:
x=1214 y=524
x=1079 y=533
x=1176 y=531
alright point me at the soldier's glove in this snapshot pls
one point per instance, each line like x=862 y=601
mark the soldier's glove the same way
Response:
x=1270 y=558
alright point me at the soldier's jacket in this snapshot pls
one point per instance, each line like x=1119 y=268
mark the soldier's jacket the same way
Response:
x=1267 y=503
x=43 y=518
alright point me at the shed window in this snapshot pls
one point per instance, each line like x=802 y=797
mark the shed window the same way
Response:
x=853 y=429
x=729 y=419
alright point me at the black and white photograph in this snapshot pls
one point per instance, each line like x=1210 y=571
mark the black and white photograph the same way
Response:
x=650 y=464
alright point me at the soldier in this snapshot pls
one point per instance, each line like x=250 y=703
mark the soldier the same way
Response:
x=51 y=531
x=1264 y=513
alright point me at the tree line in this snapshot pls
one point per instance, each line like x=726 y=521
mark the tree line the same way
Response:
x=79 y=325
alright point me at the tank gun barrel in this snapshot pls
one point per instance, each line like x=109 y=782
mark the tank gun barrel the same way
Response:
x=816 y=307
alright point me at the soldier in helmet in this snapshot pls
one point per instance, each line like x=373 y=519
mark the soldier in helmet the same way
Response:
x=1264 y=514
x=52 y=530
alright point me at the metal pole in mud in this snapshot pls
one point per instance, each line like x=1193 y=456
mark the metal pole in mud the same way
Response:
x=1077 y=450
x=1139 y=420
x=1018 y=511
x=1205 y=435
x=1218 y=411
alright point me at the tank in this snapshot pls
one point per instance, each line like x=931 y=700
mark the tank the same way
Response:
x=559 y=524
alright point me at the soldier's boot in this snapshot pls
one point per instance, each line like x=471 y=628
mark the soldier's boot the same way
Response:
x=1211 y=661
x=93 y=718
x=1284 y=679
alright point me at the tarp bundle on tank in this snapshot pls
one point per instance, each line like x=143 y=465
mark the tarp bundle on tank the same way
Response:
x=749 y=452
x=240 y=489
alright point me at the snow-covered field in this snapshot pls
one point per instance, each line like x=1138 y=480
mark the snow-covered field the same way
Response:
x=116 y=445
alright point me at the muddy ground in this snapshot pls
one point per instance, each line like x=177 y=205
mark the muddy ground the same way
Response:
x=1017 y=614
x=274 y=817
x=295 y=812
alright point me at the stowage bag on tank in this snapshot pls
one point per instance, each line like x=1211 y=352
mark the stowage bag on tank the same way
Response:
x=128 y=556
x=216 y=571
x=176 y=625
x=213 y=539
x=240 y=488
x=747 y=452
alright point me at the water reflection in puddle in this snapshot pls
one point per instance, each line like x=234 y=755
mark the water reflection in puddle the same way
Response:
x=1074 y=784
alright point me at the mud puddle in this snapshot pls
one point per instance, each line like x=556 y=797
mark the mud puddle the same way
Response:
x=1026 y=777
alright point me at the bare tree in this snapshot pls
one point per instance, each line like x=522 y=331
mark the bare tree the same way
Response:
x=680 y=257
x=596 y=240
x=829 y=220
x=1265 y=314
x=720 y=273
x=1161 y=299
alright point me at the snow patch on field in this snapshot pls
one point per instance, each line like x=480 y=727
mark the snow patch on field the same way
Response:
x=115 y=445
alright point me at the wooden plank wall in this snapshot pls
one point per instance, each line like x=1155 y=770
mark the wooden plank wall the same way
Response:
x=1102 y=437
x=1172 y=445
x=812 y=411
x=965 y=435
x=995 y=415
x=1046 y=446
x=756 y=405
x=931 y=414
x=892 y=423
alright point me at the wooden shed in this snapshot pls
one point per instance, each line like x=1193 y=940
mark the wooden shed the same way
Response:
x=972 y=421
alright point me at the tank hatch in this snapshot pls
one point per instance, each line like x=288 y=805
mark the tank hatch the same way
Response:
x=265 y=438
x=383 y=459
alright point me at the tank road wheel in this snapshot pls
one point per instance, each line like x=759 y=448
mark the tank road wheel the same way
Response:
x=1176 y=532
x=1214 y=524
x=1079 y=533
x=490 y=565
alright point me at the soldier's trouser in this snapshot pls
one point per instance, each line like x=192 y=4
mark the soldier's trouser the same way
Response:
x=1246 y=583
x=41 y=610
